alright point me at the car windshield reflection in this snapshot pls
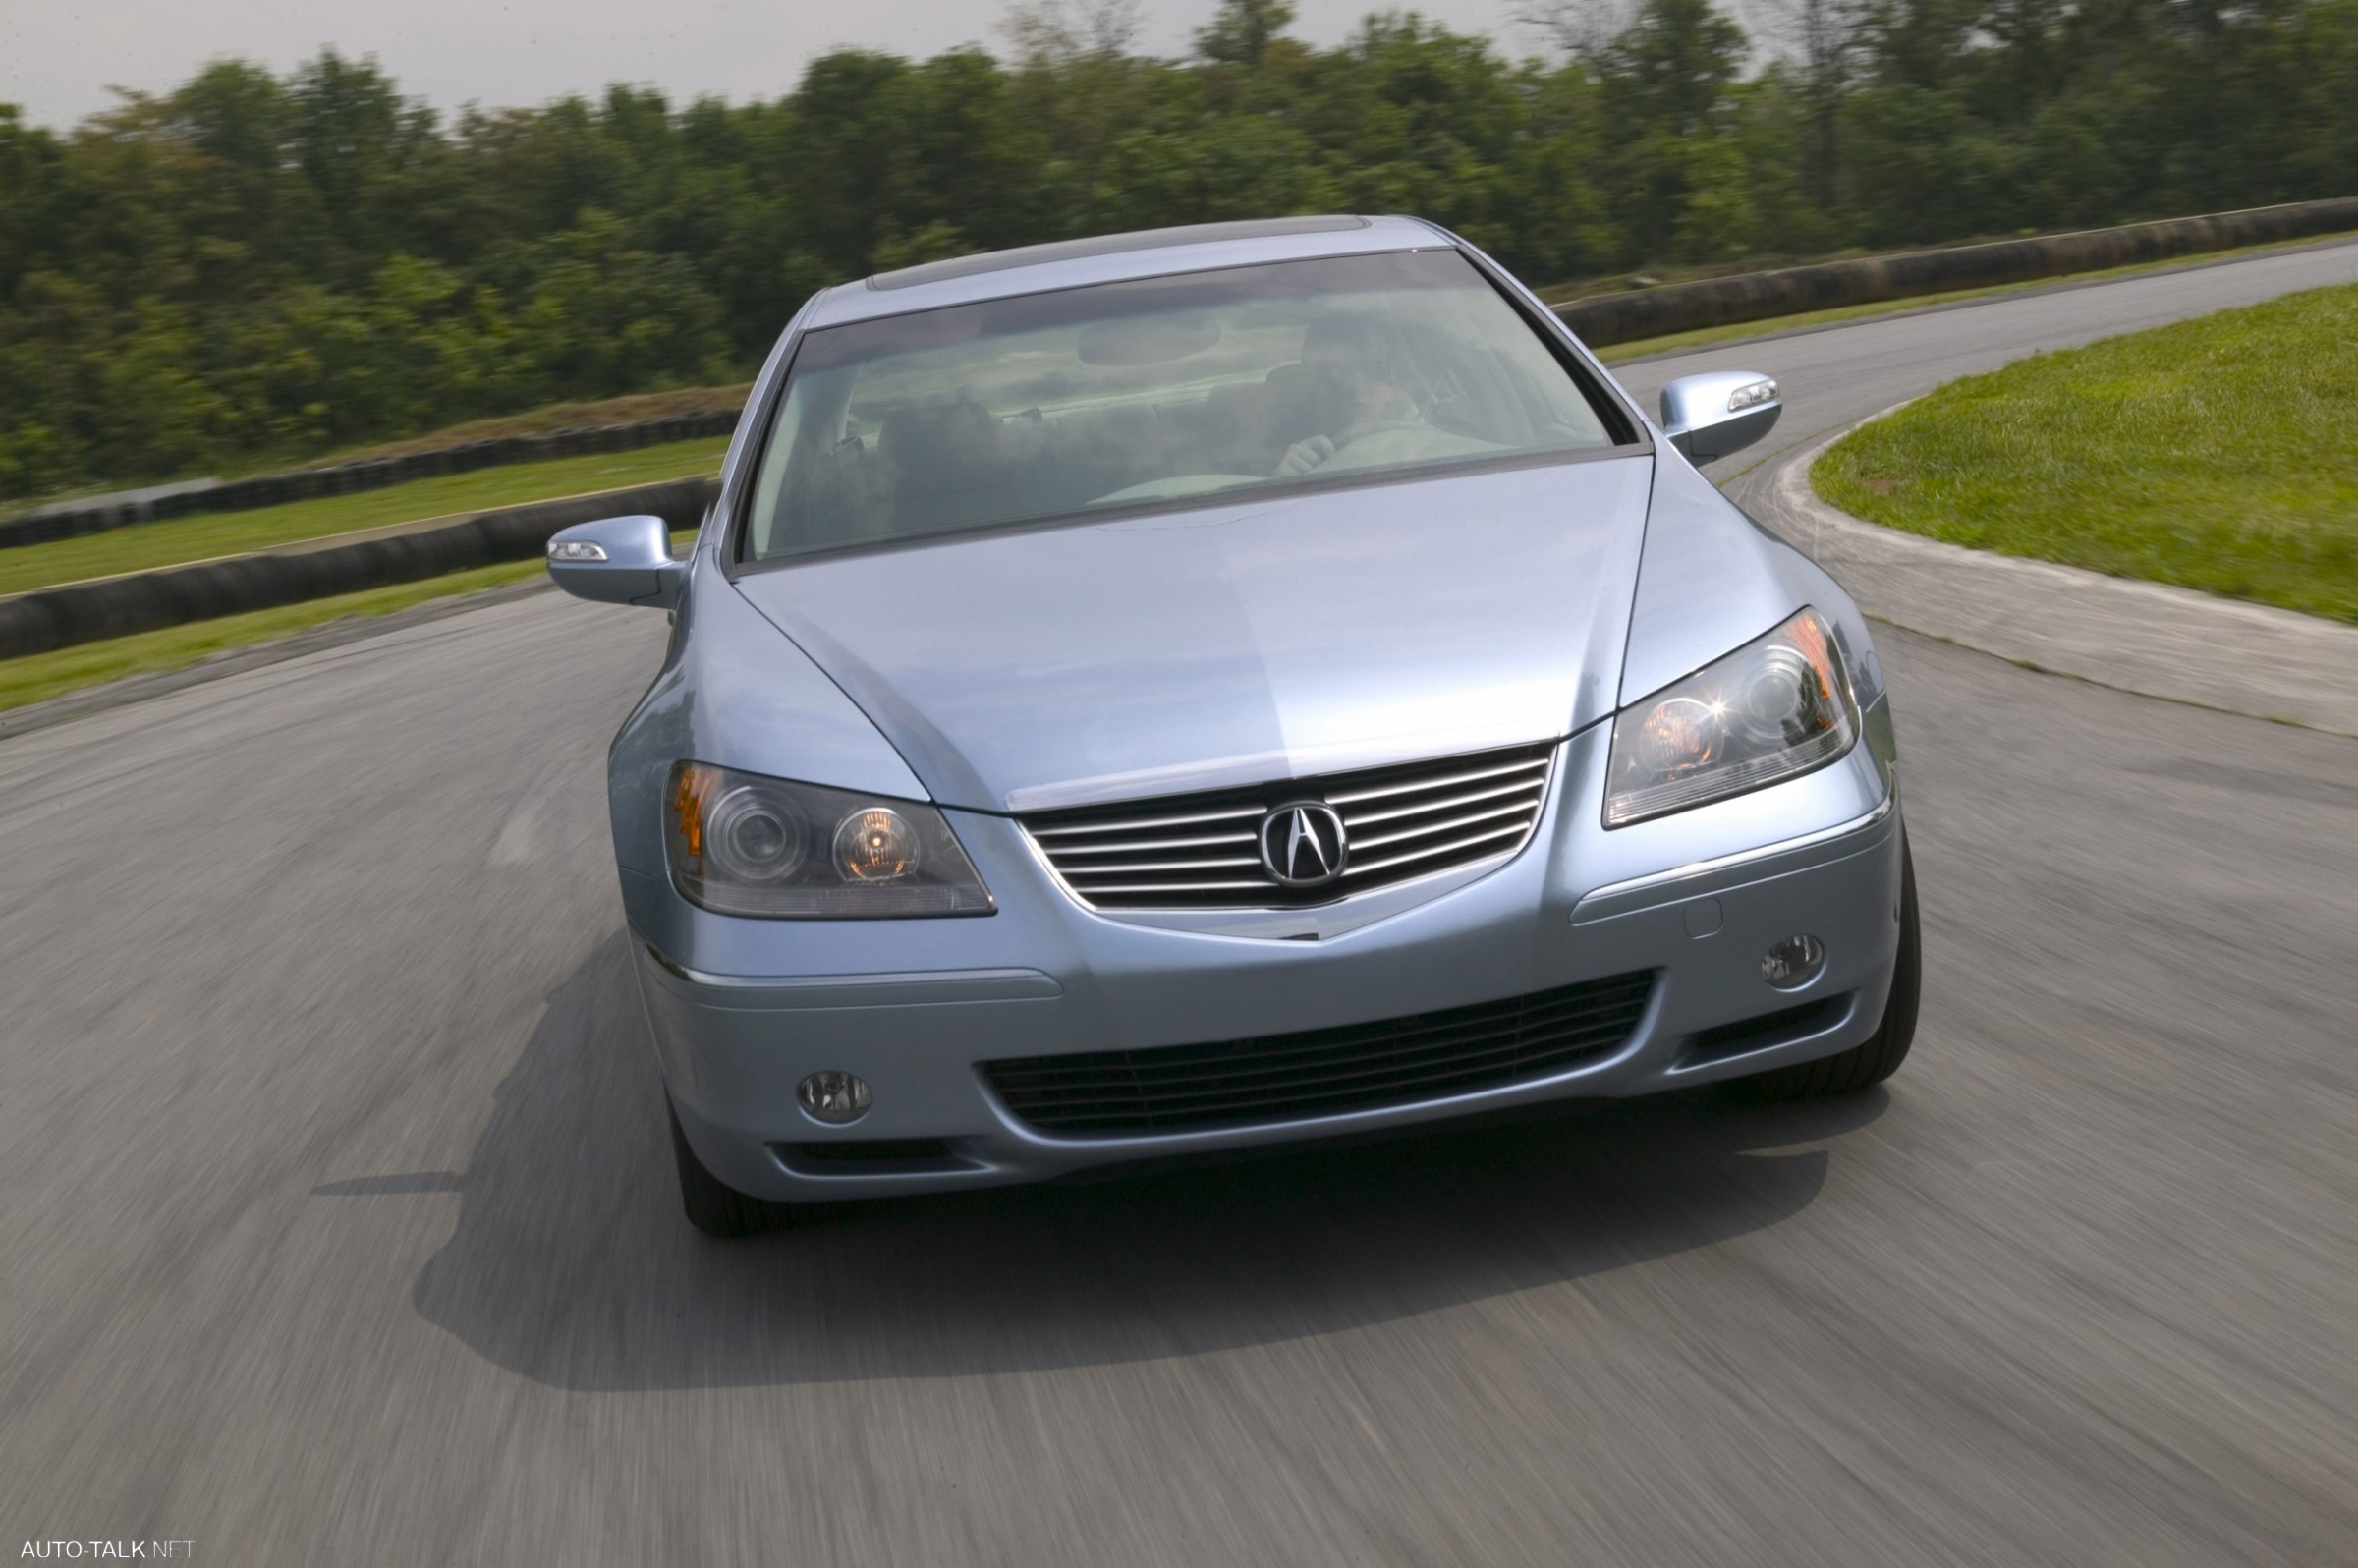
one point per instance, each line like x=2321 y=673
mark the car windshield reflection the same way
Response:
x=1128 y=394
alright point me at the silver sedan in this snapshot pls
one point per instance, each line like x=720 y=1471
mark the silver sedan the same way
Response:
x=1175 y=692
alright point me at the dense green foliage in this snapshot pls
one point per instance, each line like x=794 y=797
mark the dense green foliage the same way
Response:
x=255 y=266
x=2216 y=454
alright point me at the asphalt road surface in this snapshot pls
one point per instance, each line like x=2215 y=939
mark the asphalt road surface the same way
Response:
x=339 y=1225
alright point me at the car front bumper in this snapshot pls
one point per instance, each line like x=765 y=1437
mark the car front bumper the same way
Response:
x=743 y=1010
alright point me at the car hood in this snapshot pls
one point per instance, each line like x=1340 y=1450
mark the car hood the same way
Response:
x=1230 y=645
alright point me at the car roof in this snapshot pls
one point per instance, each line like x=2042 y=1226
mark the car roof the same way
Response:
x=1117 y=258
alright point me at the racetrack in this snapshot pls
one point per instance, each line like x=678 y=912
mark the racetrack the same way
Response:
x=339 y=1223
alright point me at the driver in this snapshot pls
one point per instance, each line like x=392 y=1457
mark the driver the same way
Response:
x=1368 y=402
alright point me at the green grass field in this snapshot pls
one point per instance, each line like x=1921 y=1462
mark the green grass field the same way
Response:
x=206 y=535
x=2218 y=453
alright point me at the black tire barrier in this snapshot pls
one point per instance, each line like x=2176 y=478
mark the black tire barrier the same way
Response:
x=1871 y=280
x=49 y=619
x=368 y=474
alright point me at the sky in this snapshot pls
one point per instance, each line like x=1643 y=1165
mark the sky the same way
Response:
x=58 y=57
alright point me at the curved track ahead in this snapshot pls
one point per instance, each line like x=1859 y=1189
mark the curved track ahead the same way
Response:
x=339 y=1224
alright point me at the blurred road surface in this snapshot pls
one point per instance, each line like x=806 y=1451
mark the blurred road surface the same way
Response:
x=339 y=1224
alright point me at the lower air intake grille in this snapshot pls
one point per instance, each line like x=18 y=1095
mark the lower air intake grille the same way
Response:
x=1204 y=851
x=1323 y=1070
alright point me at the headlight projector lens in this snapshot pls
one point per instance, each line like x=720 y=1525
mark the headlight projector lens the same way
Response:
x=1776 y=698
x=1793 y=962
x=754 y=837
x=834 y=1098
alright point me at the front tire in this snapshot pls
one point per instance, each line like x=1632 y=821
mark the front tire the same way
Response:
x=712 y=1205
x=1868 y=1064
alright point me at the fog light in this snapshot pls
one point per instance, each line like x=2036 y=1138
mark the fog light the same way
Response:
x=1793 y=962
x=833 y=1096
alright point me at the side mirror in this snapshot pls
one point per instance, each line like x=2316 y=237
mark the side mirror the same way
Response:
x=1710 y=416
x=618 y=560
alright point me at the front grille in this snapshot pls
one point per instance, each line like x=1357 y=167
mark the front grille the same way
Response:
x=1323 y=1070
x=1203 y=851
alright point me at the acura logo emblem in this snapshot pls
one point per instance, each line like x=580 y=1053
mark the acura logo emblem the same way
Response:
x=1303 y=844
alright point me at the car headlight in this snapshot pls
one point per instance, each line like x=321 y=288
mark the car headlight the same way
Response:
x=739 y=844
x=1774 y=708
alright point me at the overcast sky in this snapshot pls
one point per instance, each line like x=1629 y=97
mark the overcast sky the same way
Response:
x=58 y=57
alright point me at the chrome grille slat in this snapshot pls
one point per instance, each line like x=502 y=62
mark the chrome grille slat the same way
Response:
x=1201 y=852
x=1238 y=886
x=1439 y=849
x=1344 y=798
x=1380 y=840
x=1359 y=819
x=1153 y=821
x=1133 y=869
x=1132 y=846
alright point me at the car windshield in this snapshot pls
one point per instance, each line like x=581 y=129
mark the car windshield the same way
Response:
x=1125 y=395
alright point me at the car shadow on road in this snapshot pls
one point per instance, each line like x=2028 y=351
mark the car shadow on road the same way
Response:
x=571 y=1263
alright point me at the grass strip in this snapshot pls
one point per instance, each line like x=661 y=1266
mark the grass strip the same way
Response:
x=1674 y=341
x=2216 y=454
x=177 y=541
x=41 y=676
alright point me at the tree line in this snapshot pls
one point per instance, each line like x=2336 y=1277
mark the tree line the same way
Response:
x=254 y=266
